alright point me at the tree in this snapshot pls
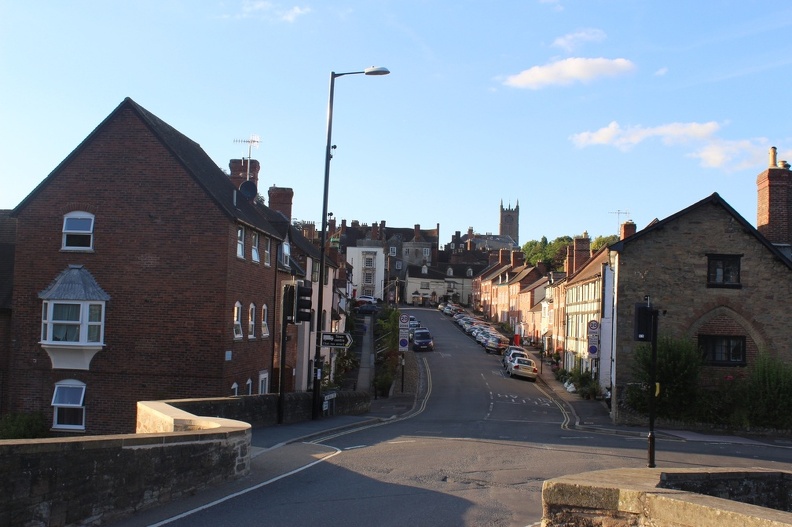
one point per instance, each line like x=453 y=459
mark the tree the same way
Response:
x=601 y=241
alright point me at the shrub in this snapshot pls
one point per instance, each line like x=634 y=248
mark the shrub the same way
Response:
x=23 y=426
x=678 y=368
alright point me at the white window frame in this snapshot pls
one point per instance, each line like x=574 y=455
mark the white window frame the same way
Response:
x=426 y=251
x=392 y=251
x=254 y=247
x=238 y=321
x=240 y=245
x=285 y=254
x=89 y=323
x=249 y=384
x=264 y=324
x=263 y=379
x=68 y=396
x=267 y=251
x=75 y=228
x=235 y=389
x=252 y=321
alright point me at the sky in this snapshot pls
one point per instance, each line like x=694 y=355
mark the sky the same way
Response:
x=586 y=113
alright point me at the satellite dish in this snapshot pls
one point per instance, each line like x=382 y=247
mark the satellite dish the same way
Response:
x=248 y=189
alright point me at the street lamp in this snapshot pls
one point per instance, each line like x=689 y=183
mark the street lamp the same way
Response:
x=317 y=401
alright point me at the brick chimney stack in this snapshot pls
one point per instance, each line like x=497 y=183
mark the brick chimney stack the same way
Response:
x=577 y=254
x=280 y=199
x=627 y=230
x=239 y=171
x=773 y=201
x=417 y=232
x=517 y=258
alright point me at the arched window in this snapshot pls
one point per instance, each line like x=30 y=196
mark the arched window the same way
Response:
x=252 y=321
x=449 y=272
x=469 y=272
x=238 y=320
x=264 y=324
x=78 y=227
x=68 y=402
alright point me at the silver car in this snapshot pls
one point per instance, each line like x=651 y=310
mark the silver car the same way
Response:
x=522 y=367
x=512 y=352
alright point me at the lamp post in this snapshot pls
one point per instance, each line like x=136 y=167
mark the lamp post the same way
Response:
x=317 y=399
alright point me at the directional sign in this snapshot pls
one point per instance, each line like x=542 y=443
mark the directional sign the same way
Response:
x=336 y=340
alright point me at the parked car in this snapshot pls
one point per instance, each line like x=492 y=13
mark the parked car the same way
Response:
x=522 y=367
x=496 y=344
x=367 y=299
x=511 y=353
x=412 y=326
x=367 y=309
x=422 y=340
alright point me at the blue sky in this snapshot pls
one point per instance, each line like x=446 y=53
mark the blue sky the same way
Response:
x=578 y=110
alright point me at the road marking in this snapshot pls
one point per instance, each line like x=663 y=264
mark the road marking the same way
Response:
x=245 y=491
x=354 y=447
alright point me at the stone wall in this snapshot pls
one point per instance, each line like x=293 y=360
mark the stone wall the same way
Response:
x=94 y=480
x=720 y=497
x=262 y=410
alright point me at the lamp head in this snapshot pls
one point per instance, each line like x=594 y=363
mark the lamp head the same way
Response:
x=376 y=70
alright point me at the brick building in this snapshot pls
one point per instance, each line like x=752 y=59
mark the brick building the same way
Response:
x=142 y=271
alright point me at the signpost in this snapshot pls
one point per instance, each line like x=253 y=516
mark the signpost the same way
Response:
x=336 y=340
x=593 y=338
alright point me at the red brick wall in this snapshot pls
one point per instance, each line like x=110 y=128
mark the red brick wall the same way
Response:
x=166 y=255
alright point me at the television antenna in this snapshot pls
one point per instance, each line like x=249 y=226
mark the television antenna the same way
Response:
x=252 y=141
x=619 y=214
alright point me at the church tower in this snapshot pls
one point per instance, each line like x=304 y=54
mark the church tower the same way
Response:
x=510 y=222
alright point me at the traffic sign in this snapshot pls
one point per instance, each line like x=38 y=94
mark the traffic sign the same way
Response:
x=336 y=340
x=404 y=339
x=404 y=321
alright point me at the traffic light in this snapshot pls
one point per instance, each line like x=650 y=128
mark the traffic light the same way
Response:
x=643 y=323
x=288 y=303
x=302 y=302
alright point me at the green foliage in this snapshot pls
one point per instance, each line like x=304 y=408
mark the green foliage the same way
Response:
x=679 y=365
x=23 y=426
x=345 y=362
x=768 y=393
x=553 y=253
x=601 y=241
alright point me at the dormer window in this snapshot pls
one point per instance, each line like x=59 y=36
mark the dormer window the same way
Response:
x=449 y=272
x=78 y=231
x=424 y=269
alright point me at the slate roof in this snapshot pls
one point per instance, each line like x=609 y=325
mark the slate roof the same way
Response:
x=74 y=283
x=190 y=155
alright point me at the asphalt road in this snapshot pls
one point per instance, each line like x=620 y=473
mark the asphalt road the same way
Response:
x=475 y=452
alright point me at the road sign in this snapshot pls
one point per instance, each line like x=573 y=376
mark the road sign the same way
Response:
x=336 y=340
x=404 y=321
x=404 y=339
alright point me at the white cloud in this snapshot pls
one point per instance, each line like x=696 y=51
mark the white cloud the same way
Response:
x=661 y=72
x=568 y=71
x=571 y=41
x=626 y=138
x=711 y=151
x=267 y=9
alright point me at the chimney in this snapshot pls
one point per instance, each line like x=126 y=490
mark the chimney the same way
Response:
x=504 y=256
x=627 y=230
x=374 y=231
x=239 y=171
x=417 y=232
x=582 y=251
x=280 y=199
x=517 y=258
x=470 y=232
x=773 y=201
